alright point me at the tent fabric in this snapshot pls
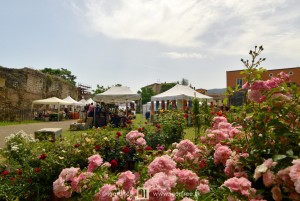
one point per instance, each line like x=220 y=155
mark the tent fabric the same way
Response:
x=83 y=101
x=89 y=101
x=117 y=95
x=75 y=103
x=52 y=100
x=180 y=92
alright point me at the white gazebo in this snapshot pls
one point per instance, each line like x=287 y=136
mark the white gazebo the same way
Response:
x=180 y=95
x=75 y=103
x=51 y=101
x=117 y=95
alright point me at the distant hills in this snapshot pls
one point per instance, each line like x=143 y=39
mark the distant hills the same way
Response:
x=216 y=91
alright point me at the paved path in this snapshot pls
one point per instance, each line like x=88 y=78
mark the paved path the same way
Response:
x=30 y=128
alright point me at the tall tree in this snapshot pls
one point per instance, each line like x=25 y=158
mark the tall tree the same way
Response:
x=185 y=82
x=63 y=73
x=100 y=89
x=146 y=93
x=166 y=86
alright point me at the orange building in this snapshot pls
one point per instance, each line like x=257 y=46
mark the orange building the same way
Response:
x=236 y=78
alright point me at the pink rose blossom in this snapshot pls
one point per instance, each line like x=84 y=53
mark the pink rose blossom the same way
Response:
x=241 y=185
x=126 y=180
x=186 y=151
x=203 y=186
x=220 y=135
x=161 y=164
x=187 y=199
x=270 y=163
x=256 y=96
x=188 y=178
x=295 y=174
x=259 y=85
x=132 y=136
x=221 y=154
x=224 y=126
x=246 y=85
x=80 y=181
x=218 y=120
x=94 y=162
x=69 y=173
x=272 y=83
x=60 y=190
x=106 y=164
x=161 y=184
x=140 y=142
x=284 y=76
x=105 y=193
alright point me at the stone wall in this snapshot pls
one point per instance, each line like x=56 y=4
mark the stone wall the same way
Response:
x=19 y=87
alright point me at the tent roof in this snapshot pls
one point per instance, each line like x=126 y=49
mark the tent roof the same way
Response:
x=179 y=92
x=89 y=101
x=70 y=99
x=117 y=95
x=82 y=101
x=52 y=100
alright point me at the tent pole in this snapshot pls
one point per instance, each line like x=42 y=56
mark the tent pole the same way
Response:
x=94 y=118
x=58 y=112
x=32 y=109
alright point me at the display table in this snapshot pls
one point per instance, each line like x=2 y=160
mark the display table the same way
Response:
x=55 y=117
x=74 y=115
x=48 y=133
x=78 y=126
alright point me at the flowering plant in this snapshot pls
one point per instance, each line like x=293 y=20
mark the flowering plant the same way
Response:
x=252 y=156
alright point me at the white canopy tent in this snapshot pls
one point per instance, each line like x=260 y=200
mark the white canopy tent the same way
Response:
x=75 y=103
x=83 y=101
x=180 y=92
x=51 y=101
x=89 y=101
x=117 y=95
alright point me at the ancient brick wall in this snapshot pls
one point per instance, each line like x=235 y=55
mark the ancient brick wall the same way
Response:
x=19 y=87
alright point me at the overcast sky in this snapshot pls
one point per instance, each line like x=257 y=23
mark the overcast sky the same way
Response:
x=139 y=42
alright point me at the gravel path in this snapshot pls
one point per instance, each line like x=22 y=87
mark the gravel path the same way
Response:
x=30 y=128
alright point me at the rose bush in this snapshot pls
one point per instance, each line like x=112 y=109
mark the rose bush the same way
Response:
x=253 y=155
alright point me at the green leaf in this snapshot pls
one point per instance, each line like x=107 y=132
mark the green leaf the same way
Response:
x=290 y=152
x=278 y=157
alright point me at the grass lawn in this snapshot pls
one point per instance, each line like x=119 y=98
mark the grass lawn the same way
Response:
x=8 y=123
x=138 y=122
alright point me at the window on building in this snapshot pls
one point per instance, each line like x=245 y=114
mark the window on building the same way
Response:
x=291 y=73
x=239 y=82
x=271 y=74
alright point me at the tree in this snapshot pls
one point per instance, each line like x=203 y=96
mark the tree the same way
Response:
x=63 y=73
x=146 y=94
x=100 y=89
x=166 y=86
x=185 y=82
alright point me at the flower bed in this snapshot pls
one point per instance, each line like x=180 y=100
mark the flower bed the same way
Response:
x=250 y=154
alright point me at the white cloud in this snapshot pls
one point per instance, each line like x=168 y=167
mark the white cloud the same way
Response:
x=174 y=23
x=218 y=26
x=177 y=55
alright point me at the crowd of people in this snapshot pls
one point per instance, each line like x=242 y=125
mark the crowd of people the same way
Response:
x=106 y=114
